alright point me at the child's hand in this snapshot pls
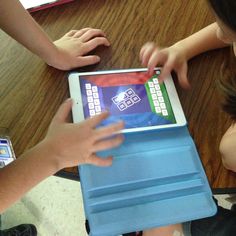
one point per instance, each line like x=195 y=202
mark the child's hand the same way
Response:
x=171 y=58
x=73 y=47
x=73 y=144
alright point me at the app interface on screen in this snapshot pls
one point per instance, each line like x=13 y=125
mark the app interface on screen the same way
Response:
x=134 y=97
x=5 y=153
x=4 y=149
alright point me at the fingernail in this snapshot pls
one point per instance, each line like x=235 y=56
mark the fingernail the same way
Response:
x=106 y=112
x=68 y=100
x=150 y=72
x=160 y=79
x=121 y=122
x=122 y=138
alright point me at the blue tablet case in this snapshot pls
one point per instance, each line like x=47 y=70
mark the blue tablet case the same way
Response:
x=156 y=179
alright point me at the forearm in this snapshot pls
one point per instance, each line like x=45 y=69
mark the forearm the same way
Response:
x=202 y=41
x=19 y=24
x=227 y=148
x=24 y=173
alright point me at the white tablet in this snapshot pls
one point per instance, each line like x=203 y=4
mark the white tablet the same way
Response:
x=130 y=95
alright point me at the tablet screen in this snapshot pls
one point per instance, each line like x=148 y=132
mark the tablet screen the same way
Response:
x=134 y=97
x=6 y=154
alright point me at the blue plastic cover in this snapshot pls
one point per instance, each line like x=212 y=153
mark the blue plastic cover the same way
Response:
x=156 y=179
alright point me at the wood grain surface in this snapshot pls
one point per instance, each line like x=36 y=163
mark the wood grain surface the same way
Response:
x=31 y=91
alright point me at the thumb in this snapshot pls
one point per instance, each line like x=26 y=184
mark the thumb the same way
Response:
x=182 y=76
x=63 y=112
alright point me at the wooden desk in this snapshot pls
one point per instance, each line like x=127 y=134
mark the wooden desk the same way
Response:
x=31 y=91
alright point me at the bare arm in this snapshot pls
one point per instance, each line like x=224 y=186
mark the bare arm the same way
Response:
x=66 y=53
x=65 y=145
x=24 y=173
x=227 y=148
x=19 y=24
x=201 y=41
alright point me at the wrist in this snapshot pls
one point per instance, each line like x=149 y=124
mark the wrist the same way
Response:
x=182 y=49
x=57 y=59
x=52 y=56
x=46 y=156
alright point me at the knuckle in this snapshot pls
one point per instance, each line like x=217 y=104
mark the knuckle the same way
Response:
x=92 y=31
x=114 y=128
x=156 y=52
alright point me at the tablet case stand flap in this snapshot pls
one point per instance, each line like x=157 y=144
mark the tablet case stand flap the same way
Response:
x=156 y=179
